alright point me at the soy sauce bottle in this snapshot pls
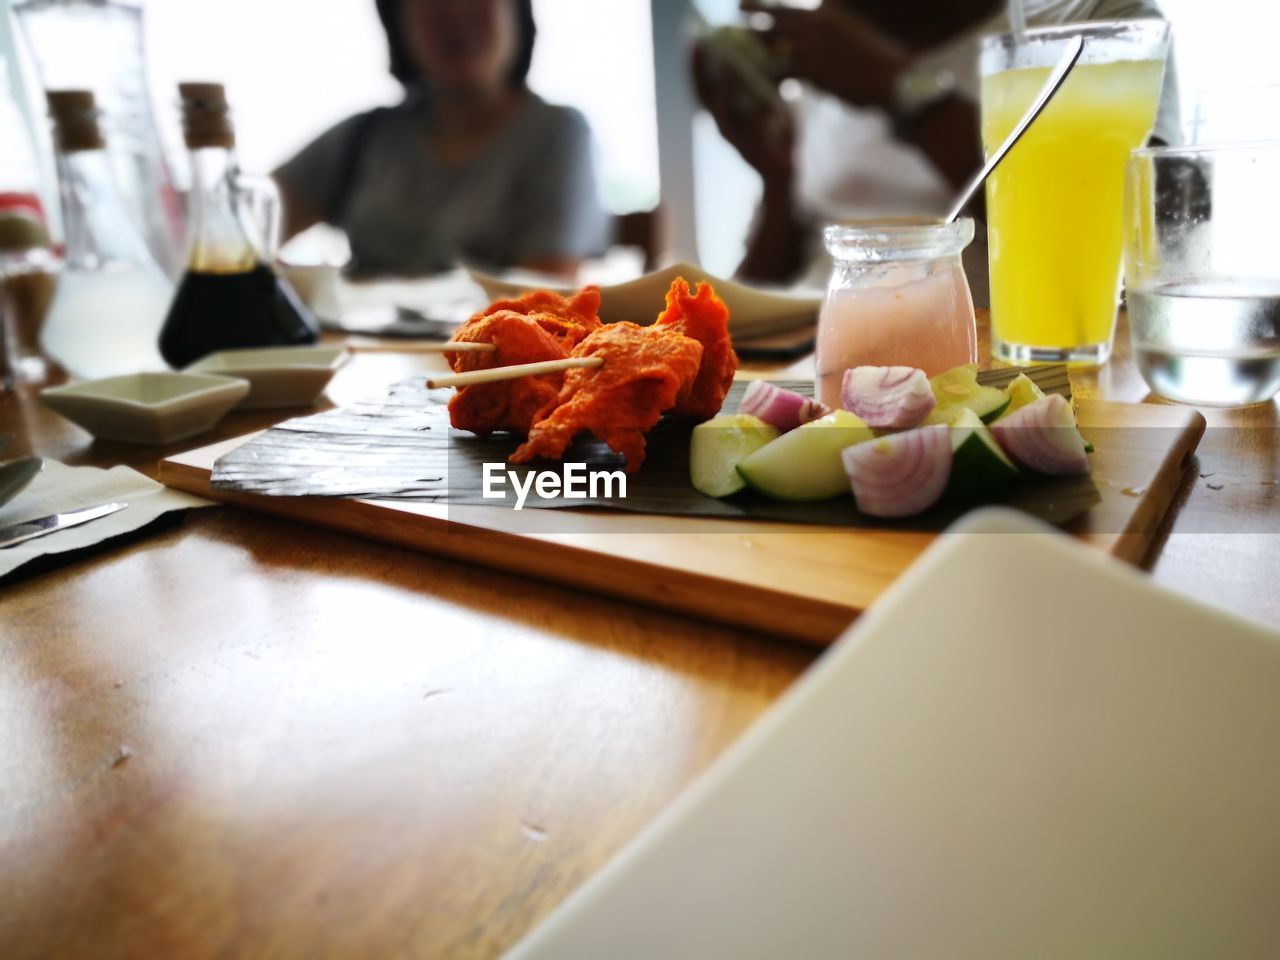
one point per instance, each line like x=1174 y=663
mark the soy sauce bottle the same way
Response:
x=229 y=297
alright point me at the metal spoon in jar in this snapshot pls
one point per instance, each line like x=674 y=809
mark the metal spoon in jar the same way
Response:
x=1051 y=86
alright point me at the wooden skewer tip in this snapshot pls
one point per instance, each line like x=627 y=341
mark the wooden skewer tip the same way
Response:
x=421 y=346
x=512 y=372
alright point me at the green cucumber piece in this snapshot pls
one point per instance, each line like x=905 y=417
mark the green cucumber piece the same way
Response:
x=958 y=388
x=804 y=463
x=946 y=416
x=718 y=445
x=979 y=468
x=1022 y=391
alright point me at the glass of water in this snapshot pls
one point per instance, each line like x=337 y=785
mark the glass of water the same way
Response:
x=1202 y=276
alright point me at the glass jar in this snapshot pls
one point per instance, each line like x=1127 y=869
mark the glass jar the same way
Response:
x=898 y=297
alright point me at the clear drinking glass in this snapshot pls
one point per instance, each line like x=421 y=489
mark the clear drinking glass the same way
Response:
x=898 y=297
x=1054 y=206
x=1201 y=272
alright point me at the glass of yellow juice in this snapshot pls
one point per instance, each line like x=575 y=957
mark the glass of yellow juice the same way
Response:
x=1055 y=206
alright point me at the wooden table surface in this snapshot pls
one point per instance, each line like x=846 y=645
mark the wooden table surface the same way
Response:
x=245 y=737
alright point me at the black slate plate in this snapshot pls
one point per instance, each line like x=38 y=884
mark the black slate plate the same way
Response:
x=402 y=448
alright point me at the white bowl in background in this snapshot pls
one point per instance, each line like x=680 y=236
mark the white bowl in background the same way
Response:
x=753 y=311
x=317 y=285
x=149 y=408
x=278 y=376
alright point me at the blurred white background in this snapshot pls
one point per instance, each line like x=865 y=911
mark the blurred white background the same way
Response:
x=305 y=65
x=1228 y=68
x=294 y=67
x=1228 y=71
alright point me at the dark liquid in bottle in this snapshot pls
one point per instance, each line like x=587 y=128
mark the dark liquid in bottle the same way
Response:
x=226 y=311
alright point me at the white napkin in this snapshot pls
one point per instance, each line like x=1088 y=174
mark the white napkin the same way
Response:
x=59 y=488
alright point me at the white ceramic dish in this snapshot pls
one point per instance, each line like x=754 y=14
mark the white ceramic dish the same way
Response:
x=315 y=284
x=278 y=376
x=1024 y=749
x=150 y=408
x=753 y=311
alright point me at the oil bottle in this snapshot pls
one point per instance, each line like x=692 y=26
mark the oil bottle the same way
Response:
x=229 y=297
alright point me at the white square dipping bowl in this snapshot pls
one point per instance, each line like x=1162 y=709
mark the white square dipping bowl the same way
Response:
x=149 y=408
x=278 y=376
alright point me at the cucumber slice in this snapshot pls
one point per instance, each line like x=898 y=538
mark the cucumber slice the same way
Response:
x=959 y=388
x=719 y=445
x=947 y=416
x=805 y=463
x=1021 y=392
x=979 y=468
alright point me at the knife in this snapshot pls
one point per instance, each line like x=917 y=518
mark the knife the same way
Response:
x=21 y=532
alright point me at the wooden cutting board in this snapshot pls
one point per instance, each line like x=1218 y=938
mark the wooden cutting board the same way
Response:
x=800 y=582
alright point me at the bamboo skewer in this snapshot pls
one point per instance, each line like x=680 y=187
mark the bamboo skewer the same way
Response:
x=419 y=346
x=512 y=372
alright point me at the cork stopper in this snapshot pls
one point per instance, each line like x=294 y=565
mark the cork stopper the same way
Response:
x=206 y=118
x=75 y=120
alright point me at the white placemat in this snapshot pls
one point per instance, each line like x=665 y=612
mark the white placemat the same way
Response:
x=1023 y=749
x=60 y=488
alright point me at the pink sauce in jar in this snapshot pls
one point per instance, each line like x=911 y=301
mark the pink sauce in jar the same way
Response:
x=898 y=297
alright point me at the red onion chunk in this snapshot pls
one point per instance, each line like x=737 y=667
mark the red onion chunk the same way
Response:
x=1043 y=436
x=784 y=409
x=901 y=474
x=813 y=409
x=887 y=396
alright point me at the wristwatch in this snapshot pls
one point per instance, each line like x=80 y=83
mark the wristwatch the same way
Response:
x=916 y=91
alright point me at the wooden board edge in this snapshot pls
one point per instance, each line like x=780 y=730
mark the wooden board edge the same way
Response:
x=1133 y=542
x=754 y=608
x=777 y=612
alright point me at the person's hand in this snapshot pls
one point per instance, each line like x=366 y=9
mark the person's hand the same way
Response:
x=746 y=107
x=834 y=49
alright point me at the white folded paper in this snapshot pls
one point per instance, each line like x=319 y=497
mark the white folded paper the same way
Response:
x=60 y=488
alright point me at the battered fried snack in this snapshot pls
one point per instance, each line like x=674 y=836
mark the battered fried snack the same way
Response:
x=568 y=319
x=703 y=316
x=540 y=325
x=645 y=371
x=510 y=405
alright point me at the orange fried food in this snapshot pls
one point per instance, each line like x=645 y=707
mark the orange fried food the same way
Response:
x=568 y=319
x=703 y=316
x=643 y=374
x=539 y=325
x=510 y=405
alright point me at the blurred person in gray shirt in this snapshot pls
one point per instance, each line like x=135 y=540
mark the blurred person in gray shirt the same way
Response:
x=470 y=167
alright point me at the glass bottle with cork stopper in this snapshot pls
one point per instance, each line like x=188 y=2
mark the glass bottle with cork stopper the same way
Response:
x=229 y=297
x=111 y=295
